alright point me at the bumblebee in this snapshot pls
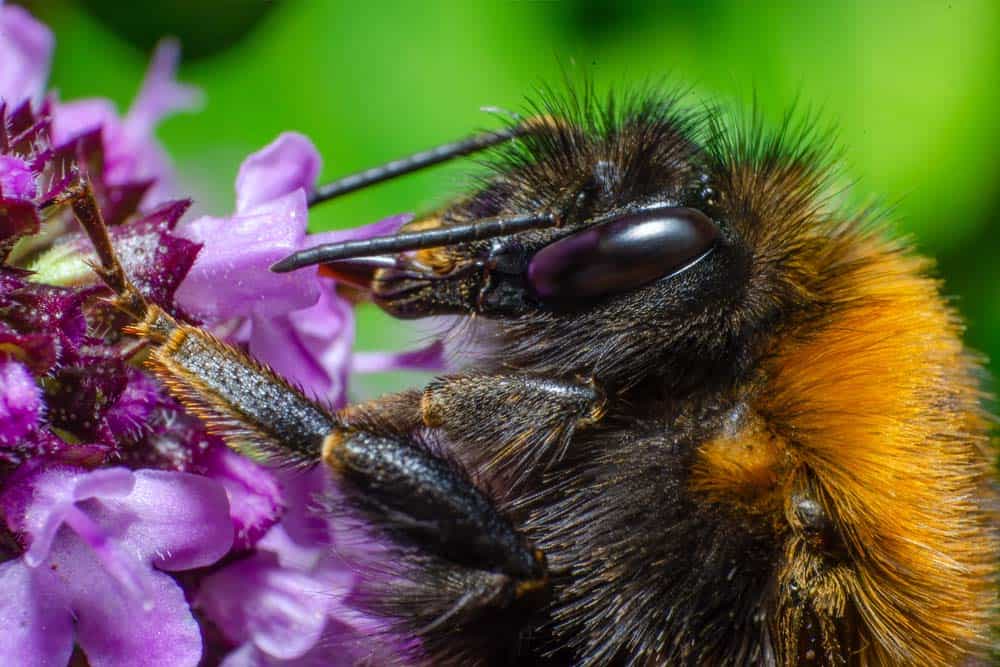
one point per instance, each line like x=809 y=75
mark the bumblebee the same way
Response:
x=713 y=418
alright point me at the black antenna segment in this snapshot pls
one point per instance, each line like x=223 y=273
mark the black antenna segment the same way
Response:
x=418 y=161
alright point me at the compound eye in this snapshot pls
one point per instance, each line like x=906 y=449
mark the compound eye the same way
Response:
x=622 y=254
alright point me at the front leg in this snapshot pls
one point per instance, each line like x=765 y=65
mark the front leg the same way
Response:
x=456 y=572
x=515 y=424
x=464 y=578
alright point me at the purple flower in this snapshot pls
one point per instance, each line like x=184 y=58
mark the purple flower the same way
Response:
x=97 y=544
x=131 y=152
x=16 y=179
x=20 y=402
x=290 y=603
x=273 y=601
x=94 y=551
x=25 y=51
x=230 y=277
x=172 y=439
x=297 y=323
x=255 y=499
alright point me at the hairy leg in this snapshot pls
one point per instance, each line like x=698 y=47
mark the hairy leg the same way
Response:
x=515 y=425
x=454 y=557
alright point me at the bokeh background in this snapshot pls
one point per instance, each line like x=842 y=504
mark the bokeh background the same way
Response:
x=912 y=86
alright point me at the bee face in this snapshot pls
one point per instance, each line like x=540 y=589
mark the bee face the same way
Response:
x=664 y=246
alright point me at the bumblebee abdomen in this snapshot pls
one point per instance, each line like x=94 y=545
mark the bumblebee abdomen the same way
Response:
x=891 y=549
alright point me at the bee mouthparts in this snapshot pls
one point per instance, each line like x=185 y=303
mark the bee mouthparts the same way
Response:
x=358 y=272
x=430 y=238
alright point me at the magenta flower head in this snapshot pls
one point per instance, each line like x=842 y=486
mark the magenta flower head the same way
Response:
x=130 y=532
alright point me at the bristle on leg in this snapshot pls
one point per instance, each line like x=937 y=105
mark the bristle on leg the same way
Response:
x=241 y=400
x=80 y=197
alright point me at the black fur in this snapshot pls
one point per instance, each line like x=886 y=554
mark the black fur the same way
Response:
x=642 y=573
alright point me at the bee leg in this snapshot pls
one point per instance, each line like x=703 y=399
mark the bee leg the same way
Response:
x=243 y=401
x=514 y=422
x=464 y=579
x=454 y=555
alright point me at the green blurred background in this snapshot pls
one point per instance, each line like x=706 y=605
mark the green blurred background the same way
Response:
x=912 y=87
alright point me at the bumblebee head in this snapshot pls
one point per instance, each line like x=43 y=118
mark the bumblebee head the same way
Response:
x=628 y=233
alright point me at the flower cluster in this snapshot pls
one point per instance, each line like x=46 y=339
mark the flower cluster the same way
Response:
x=130 y=533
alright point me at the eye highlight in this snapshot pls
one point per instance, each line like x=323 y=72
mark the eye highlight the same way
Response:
x=622 y=253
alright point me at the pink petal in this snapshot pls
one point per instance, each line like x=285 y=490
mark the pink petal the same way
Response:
x=105 y=531
x=54 y=506
x=35 y=617
x=275 y=342
x=106 y=483
x=26 y=53
x=161 y=94
x=296 y=575
x=73 y=119
x=181 y=521
x=118 y=630
x=327 y=327
x=122 y=567
x=20 y=402
x=429 y=358
x=287 y=164
x=254 y=496
x=231 y=276
x=56 y=492
x=281 y=610
x=310 y=347
x=292 y=554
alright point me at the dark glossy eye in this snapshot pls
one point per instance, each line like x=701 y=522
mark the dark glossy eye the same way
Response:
x=622 y=254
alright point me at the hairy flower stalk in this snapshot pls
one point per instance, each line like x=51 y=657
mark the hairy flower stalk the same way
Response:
x=130 y=534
